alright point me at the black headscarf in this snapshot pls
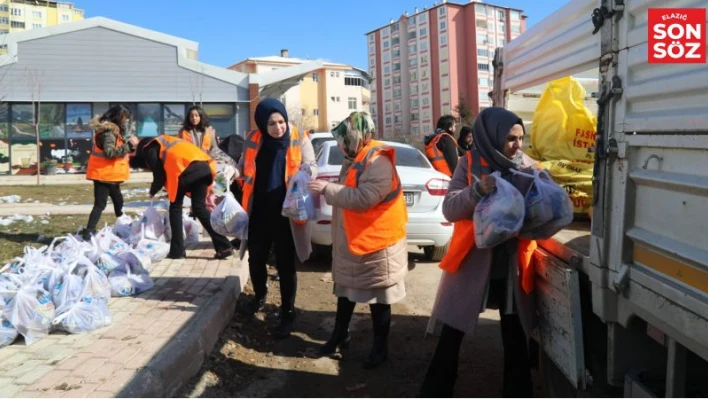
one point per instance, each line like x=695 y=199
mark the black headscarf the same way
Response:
x=270 y=162
x=461 y=142
x=489 y=134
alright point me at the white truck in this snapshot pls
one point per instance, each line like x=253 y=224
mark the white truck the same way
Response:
x=623 y=299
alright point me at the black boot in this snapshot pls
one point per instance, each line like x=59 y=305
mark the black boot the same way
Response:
x=440 y=379
x=381 y=318
x=340 y=336
x=253 y=306
x=285 y=326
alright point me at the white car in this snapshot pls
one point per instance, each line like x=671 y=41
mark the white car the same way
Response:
x=319 y=138
x=423 y=188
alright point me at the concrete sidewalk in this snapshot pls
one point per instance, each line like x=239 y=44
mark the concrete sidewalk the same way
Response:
x=157 y=341
x=64 y=179
x=41 y=208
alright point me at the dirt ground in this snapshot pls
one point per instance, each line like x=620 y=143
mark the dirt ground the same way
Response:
x=248 y=362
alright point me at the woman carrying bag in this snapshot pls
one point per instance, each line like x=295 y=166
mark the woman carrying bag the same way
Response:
x=370 y=258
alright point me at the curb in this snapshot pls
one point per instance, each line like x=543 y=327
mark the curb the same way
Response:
x=184 y=355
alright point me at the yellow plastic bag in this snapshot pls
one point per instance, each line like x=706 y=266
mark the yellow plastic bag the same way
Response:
x=576 y=178
x=563 y=128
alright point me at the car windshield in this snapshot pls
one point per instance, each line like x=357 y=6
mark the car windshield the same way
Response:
x=405 y=156
x=319 y=142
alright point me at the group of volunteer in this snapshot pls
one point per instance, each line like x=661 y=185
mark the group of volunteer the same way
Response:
x=487 y=266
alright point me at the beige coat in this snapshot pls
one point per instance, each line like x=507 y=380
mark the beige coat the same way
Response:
x=302 y=233
x=381 y=269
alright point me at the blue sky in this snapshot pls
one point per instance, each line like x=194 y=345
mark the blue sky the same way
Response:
x=229 y=31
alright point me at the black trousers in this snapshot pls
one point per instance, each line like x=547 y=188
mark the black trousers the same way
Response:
x=265 y=229
x=442 y=372
x=380 y=318
x=198 y=191
x=101 y=192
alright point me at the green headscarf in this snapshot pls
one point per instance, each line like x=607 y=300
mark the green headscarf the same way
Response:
x=354 y=133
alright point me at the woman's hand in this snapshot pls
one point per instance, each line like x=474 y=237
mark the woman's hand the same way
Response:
x=487 y=186
x=317 y=186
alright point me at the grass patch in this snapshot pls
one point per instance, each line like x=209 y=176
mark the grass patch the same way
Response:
x=41 y=231
x=69 y=194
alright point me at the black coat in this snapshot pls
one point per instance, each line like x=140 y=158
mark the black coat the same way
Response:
x=234 y=146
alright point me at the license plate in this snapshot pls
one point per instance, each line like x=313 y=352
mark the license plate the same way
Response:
x=410 y=198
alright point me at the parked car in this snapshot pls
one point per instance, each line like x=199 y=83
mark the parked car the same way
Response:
x=423 y=187
x=320 y=138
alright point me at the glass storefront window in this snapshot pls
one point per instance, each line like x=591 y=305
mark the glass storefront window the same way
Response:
x=148 y=120
x=23 y=160
x=78 y=117
x=221 y=117
x=173 y=115
x=51 y=121
x=22 y=127
x=3 y=120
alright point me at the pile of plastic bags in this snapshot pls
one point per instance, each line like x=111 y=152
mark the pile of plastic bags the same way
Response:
x=506 y=213
x=66 y=285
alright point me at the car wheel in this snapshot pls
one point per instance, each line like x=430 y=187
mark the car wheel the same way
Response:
x=435 y=254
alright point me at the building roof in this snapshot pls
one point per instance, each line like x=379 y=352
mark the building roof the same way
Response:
x=275 y=59
x=182 y=45
x=440 y=5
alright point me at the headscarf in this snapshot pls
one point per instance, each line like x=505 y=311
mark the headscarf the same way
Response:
x=354 y=133
x=461 y=142
x=489 y=134
x=270 y=161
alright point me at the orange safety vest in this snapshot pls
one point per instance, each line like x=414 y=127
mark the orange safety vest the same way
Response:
x=102 y=168
x=436 y=156
x=383 y=225
x=293 y=160
x=462 y=241
x=176 y=155
x=206 y=139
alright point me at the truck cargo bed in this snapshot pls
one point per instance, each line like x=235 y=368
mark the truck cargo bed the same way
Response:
x=572 y=241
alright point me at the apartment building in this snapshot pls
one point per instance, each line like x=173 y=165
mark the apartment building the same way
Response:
x=321 y=99
x=424 y=63
x=20 y=15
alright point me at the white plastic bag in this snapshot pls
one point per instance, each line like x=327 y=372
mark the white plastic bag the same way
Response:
x=8 y=333
x=96 y=284
x=229 y=218
x=299 y=204
x=84 y=316
x=152 y=221
x=499 y=215
x=192 y=228
x=31 y=311
x=555 y=199
x=156 y=250
x=122 y=227
x=126 y=283
x=224 y=174
x=137 y=260
x=67 y=291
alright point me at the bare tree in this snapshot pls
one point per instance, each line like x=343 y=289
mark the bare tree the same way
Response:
x=35 y=81
x=6 y=64
x=196 y=84
x=301 y=118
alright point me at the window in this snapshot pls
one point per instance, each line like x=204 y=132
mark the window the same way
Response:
x=51 y=121
x=415 y=130
x=482 y=39
x=483 y=82
x=395 y=41
x=36 y=14
x=415 y=116
x=444 y=53
x=17 y=12
x=482 y=24
x=316 y=112
x=315 y=77
x=65 y=18
x=352 y=103
x=396 y=80
x=335 y=99
x=396 y=92
x=387 y=82
x=423 y=46
x=414 y=75
x=396 y=53
x=372 y=49
x=385 y=44
x=490 y=11
x=483 y=67
x=501 y=41
x=397 y=106
x=444 y=68
x=303 y=111
x=441 y=10
x=172 y=115
x=423 y=32
x=388 y=123
x=515 y=15
x=480 y=8
x=483 y=52
x=372 y=37
x=79 y=115
x=443 y=40
x=4 y=20
x=445 y=82
x=394 y=27
x=501 y=28
x=424 y=59
x=4 y=8
x=501 y=15
x=148 y=120
x=413 y=62
x=443 y=25
x=386 y=31
x=397 y=66
x=396 y=120
x=386 y=57
x=426 y=101
x=425 y=87
x=372 y=62
x=414 y=90
x=412 y=48
x=422 y=18
x=515 y=28
x=411 y=35
x=37 y=26
x=387 y=70
x=336 y=74
x=16 y=24
x=388 y=107
x=411 y=20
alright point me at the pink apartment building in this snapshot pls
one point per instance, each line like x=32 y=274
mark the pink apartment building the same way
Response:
x=423 y=63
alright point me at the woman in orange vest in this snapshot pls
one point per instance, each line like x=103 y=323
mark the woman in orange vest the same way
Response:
x=274 y=154
x=474 y=279
x=369 y=259
x=441 y=146
x=181 y=168
x=108 y=162
x=197 y=130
